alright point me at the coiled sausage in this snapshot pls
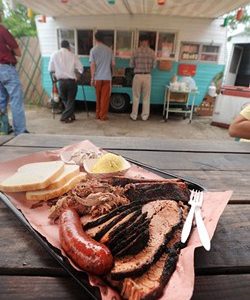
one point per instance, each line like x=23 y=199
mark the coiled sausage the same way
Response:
x=85 y=252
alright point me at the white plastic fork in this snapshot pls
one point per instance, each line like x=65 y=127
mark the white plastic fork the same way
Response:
x=189 y=220
x=203 y=234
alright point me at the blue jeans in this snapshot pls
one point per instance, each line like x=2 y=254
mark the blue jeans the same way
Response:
x=10 y=87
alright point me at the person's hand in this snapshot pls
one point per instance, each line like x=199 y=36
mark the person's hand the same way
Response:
x=92 y=82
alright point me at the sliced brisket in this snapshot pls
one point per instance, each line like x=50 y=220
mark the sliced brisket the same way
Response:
x=161 y=227
x=151 y=284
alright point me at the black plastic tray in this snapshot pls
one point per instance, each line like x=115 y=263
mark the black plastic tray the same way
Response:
x=81 y=277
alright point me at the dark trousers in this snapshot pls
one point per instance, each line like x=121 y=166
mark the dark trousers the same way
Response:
x=67 y=91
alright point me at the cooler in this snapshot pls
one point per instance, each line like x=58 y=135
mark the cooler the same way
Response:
x=229 y=103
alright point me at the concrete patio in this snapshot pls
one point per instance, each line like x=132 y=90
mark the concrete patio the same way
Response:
x=40 y=120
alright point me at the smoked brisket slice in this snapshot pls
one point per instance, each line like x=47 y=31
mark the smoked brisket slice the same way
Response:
x=110 y=215
x=151 y=284
x=122 y=181
x=104 y=228
x=122 y=233
x=137 y=244
x=177 y=191
x=161 y=228
x=125 y=221
x=100 y=220
x=134 y=238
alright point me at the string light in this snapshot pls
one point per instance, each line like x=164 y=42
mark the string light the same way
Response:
x=29 y=13
x=160 y=2
x=42 y=19
x=239 y=14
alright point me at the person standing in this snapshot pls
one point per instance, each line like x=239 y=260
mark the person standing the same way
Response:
x=10 y=85
x=143 y=61
x=101 y=64
x=64 y=64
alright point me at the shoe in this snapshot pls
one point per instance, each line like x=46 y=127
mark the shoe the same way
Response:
x=133 y=118
x=104 y=119
x=26 y=131
x=69 y=120
x=144 y=118
x=10 y=129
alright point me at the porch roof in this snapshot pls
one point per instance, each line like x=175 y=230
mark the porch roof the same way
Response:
x=181 y=8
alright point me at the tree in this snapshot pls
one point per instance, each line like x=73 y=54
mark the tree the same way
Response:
x=18 y=22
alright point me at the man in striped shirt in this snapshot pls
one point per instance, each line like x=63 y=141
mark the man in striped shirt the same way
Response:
x=143 y=61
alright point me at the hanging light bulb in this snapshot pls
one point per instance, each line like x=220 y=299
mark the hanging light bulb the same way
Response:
x=29 y=13
x=239 y=14
x=160 y=2
x=42 y=19
x=225 y=22
x=111 y=2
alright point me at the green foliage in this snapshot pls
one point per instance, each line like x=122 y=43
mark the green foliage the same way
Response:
x=231 y=21
x=18 y=22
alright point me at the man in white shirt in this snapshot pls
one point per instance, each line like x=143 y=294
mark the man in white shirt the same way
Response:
x=64 y=64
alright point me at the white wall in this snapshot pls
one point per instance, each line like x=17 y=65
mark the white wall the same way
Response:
x=188 y=29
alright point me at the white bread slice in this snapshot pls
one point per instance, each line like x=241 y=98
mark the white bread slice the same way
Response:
x=32 y=177
x=48 y=193
x=69 y=172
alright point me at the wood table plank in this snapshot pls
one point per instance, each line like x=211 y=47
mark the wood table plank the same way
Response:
x=229 y=287
x=189 y=161
x=20 y=252
x=237 y=181
x=222 y=287
x=132 y=143
x=169 y=161
x=43 y=288
x=5 y=138
x=230 y=246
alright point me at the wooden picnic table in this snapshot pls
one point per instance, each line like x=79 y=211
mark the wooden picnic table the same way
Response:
x=28 y=272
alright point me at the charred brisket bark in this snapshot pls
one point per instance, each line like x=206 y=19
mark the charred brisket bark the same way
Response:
x=137 y=244
x=125 y=221
x=110 y=215
x=152 y=191
x=104 y=228
x=133 y=240
x=117 y=236
x=122 y=181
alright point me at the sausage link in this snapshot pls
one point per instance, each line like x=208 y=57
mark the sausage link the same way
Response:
x=85 y=252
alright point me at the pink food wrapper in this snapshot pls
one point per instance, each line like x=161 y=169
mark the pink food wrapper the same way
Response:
x=181 y=283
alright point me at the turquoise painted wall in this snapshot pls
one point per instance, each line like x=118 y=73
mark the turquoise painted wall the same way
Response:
x=204 y=74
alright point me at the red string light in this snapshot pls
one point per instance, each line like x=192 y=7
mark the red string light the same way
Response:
x=239 y=14
x=160 y=2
